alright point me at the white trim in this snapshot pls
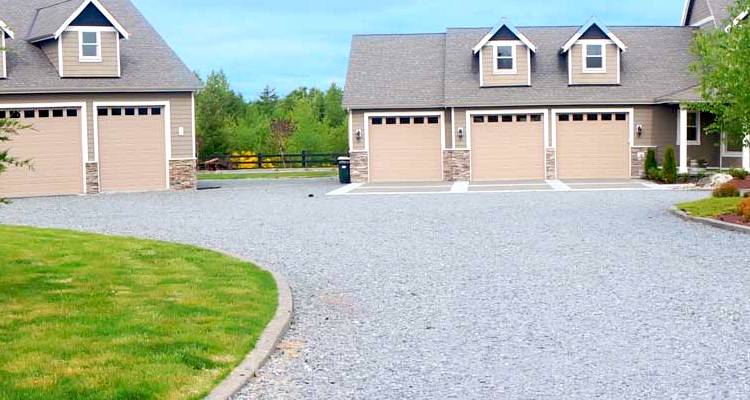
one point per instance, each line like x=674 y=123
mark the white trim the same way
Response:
x=440 y=114
x=192 y=121
x=4 y=27
x=699 y=129
x=469 y=121
x=453 y=128
x=585 y=44
x=682 y=139
x=60 y=56
x=104 y=12
x=570 y=69
x=119 y=65
x=84 y=126
x=351 y=129
x=5 y=58
x=746 y=157
x=702 y=22
x=513 y=56
x=593 y=21
x=481 y=69
x=726 y=153
x=512 y=29
x=167 y=126
x=619 y=67
x=528 y=65
x=685 y=10
x=90 y=28
x=737 y=20
x=631 y=127
x=90 y=59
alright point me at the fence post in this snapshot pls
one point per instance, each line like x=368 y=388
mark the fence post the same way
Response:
x=260 y=161
x=304 y=159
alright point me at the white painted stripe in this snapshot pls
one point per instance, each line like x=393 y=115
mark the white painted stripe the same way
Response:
x=558 y=185
x=508 y=185
x=460 y=187
x=344 y=190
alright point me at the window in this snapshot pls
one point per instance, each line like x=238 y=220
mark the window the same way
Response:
x=71 y=112
x=375 y=121
x=3 y=115
x=479 y=119
x=432 y=120
x=507 y=118
x=15 y=114
x=130 y=111
x=493 y=118
x=57 y=113
x=156 y=111
x=143 y=111
x=577 y=117
x=390 y=121
x=505 y=62
x=536 y=117
x=116 y=111
x=102 y=112
x=43 y=113
x=594 y=58
x=592 y=117
x=90 y=46
x=733 y=146
x=693 y=129
x=419 y=120
x=563 y=117
x=606 y=117
x=621 y=117
x=521 y=118
x=29 y=113
x=404 y=120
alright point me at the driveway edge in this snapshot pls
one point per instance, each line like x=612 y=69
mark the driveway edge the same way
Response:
x=710 y=222
x=266 y=344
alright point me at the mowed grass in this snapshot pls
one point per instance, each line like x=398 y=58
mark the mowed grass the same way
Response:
x=267 y=175
x=711 y=207
x=94 y=317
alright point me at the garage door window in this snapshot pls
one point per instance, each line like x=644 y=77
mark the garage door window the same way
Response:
x=418 y=120
x=536 y=118
x=522 y=118
x=432 y=120
x=621 y=117
x=493 y=118
x=29 y=114
x=390 y=121
x=404 y=120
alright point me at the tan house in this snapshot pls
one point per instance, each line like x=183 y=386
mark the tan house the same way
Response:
x=530 y=102
x=109 y=106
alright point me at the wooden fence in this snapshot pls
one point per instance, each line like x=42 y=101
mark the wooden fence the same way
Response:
x=270 y=161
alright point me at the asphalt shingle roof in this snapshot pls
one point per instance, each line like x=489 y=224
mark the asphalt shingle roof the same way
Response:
x=398 y=71
x=49 y=19
x=147 y=61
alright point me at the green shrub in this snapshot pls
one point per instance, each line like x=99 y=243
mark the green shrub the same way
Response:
x=669 y=171
x=738 y=173
x=650 y=163
x=727 y=190
x=654 y=174
x=744 y=209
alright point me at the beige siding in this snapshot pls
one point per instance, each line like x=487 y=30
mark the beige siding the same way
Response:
x=181 y=113
x=699 y=11
x=507 y=150
x=405 y=153
x=54 y=146
x=49 y=48
x=593 y=149
x=72 y=67
x=659 y=127
x=448 y=129
x=132 y=153
x=358 y=123
x=520 y=78
x=578 y=77
x=460 y=123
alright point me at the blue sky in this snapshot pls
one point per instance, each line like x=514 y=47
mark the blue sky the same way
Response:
x=292 y=43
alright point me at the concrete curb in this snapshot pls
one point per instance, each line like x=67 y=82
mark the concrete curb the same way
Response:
x=266 y=344
x=710 y=222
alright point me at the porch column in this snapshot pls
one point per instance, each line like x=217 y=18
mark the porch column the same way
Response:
x=682 y=136
x=746 y=155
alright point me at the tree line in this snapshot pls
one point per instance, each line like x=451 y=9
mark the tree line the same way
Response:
x=306 y=119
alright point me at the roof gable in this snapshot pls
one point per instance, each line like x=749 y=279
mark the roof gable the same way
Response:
x=50 y=22
x=592 y=28
x=6 y=30
x=503 y=29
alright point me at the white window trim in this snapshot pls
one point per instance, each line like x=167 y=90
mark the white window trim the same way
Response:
x=727 y=153
x=90 y=59
x=603 y=44
x=514 y=55
x=696 y=142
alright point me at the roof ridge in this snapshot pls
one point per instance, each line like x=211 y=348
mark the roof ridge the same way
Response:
x=399 y=34
x=53 y=5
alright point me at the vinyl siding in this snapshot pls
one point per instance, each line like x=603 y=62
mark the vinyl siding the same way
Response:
x=699 y=10
x=659 y=127
x=180 y=104
x=73 y=68
x=607 y=78
x=358 y=122
x=460 y=123
x=520 y=78
x=49 y=48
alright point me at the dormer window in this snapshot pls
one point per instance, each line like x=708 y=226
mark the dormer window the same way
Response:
x=594 y=56
x=90 y=46
x=505 y=59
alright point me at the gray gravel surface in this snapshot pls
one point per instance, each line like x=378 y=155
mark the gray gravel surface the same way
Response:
x=493 y=296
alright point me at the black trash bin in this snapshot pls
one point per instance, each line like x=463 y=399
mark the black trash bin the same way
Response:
x=345 y=173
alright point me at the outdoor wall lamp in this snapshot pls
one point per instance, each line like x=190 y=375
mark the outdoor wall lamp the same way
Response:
x=639 y=129
x=460 y=133
x=358 y=134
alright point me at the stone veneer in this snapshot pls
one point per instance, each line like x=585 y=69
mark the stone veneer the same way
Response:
x=550 y=165
x=92 y=178
x=183 y=175
x=359 y=167
x=637 y=161
x=457 y=165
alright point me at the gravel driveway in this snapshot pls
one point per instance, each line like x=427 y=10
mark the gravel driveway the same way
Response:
x=496 y=296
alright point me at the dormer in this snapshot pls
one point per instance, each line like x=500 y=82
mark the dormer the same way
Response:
x=80 y=38
x=504 y=57
x=6 y=34
x=594 y=56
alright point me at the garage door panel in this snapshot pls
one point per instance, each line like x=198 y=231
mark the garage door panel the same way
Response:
x=405 y=152
x=507 y=150
x=591 y=149
x=132 y=152
x=54 y=146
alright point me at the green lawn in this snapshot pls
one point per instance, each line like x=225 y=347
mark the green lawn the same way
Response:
x=711 y=207
x=95 y=317
x=267 y=175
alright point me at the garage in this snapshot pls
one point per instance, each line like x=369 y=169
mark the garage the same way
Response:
x=405 y=148
x=132 y=148
x=53 y=143
x=506 y=147
x=593 y=145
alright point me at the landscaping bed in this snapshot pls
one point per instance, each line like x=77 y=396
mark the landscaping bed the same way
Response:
x=725 y=209
x=95 y=317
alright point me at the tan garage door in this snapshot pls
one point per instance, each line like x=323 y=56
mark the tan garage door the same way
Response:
x=132 y=149
x=593 y=146
x=54 y=144
x=405 y=149
x=507 y=147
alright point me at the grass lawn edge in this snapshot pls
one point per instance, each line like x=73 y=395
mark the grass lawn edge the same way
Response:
x=712 y=222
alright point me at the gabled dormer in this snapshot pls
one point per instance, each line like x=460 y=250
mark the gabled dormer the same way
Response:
x=504 y=57
x=594 y=55
x=5 y=35
x=80 y=38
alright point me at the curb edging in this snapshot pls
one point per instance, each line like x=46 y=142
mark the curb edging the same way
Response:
x=266 y=344
x=710 y=222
